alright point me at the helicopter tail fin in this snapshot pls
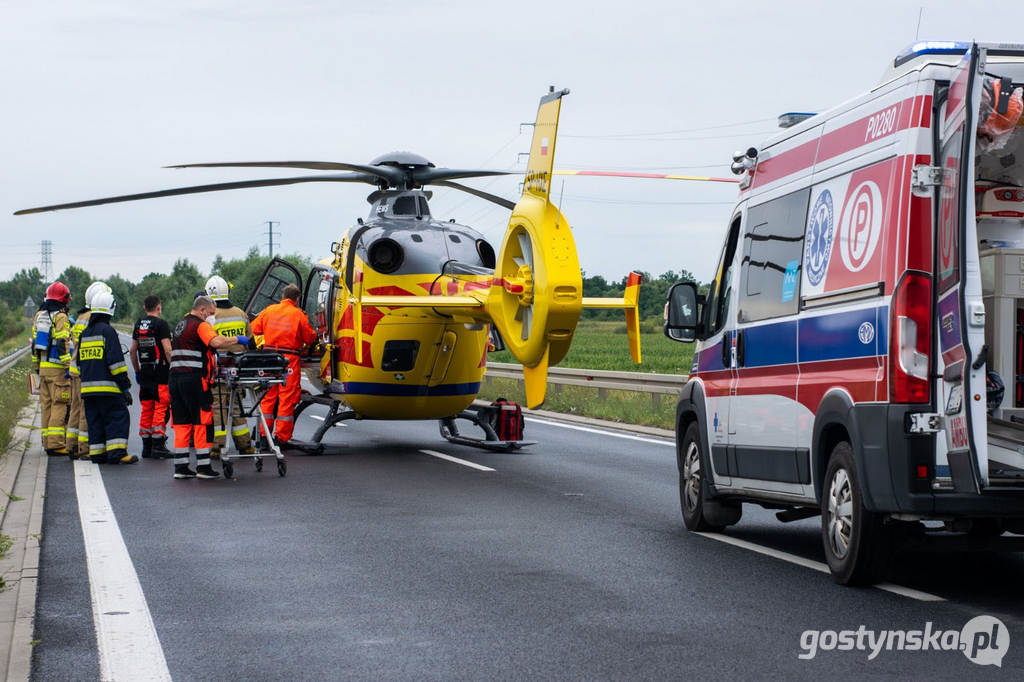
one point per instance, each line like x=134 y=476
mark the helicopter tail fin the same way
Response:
x=537 y=291
x=629 y=304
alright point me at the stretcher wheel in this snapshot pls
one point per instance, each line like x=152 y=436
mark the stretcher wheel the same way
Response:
x=258 y=461
x=229 y=470
x=282 y=468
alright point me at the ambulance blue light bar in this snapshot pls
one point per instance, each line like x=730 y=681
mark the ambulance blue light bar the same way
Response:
x=930 y=47
x=791 y=118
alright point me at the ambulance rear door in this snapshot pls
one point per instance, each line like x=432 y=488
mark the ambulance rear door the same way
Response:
x=959 y=311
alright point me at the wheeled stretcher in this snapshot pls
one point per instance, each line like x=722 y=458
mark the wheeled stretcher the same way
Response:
x=248 y=376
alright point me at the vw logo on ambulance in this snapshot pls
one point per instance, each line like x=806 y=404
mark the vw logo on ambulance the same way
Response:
x=819 y=239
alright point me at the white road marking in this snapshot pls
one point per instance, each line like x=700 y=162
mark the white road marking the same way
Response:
x=318 y=417
x=129 y=648
x=814 y=565
x=471 y=465
x=602 y=432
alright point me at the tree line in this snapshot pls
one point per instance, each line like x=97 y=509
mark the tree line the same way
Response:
x=176 y=289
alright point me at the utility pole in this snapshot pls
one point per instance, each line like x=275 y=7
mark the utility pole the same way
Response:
x=46 y=258
x=270 y=235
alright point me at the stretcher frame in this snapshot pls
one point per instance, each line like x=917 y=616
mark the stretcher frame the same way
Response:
x=253 y=389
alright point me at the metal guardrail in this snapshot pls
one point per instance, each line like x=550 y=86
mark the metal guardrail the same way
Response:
x=603 y=380
x=9 y=360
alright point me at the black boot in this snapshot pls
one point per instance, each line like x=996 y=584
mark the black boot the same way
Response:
x=159 y=449
x=182 y=471
x=147 y=448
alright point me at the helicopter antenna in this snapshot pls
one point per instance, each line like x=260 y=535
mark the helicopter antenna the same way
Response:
x=561 y=195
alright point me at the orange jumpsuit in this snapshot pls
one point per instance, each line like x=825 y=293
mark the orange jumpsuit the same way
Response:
x=286 y=329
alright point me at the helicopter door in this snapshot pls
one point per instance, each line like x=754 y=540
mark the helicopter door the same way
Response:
x=318 y=301
x=278 y=275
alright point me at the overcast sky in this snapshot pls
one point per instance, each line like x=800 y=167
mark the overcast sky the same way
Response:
x=99 y=95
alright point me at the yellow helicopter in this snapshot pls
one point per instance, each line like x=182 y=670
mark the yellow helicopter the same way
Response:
x=407 y=306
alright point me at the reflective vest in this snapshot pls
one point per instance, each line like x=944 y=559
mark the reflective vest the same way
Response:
x=189 y=355
x=81 y=322
x=101 y=361
x=231 y=322
x=50 y=339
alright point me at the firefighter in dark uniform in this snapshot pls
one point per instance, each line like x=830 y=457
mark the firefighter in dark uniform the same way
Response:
x=150 y=353
x=191 y=372
x=76 y=418
x=106 y=389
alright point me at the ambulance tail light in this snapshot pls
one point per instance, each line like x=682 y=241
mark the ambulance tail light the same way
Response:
x=910 y=342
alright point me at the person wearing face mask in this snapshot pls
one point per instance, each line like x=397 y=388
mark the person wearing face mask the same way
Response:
x=228 y=320
x=192 y=368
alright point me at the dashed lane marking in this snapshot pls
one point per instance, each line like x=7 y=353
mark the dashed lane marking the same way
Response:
x=602 y=432
x=471 y=465
x=129 y=648
x=814 y=565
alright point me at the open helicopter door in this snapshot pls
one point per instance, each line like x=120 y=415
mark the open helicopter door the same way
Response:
x=318 y=300
x=278 y=274
x=959 y=309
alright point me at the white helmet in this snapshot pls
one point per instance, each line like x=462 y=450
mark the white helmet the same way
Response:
x=103 y=302
x=94 y=289
x=217 y=288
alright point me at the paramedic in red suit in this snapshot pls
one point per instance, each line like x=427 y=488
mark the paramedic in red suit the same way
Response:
x=285 y=329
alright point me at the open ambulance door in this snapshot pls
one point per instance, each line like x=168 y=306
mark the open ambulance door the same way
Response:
x=318 y=302
x=959 y=310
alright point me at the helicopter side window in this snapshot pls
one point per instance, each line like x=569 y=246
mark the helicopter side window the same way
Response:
x=424 y=209
x=404 y=206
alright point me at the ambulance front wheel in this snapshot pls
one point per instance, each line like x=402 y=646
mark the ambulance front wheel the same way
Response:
x=857 y=544
x=700 y=513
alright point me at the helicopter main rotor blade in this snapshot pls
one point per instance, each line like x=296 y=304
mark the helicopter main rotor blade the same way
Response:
x=352 y=177
x=493 y=198
x=652 y=176
x=392 y=175
x=431 y=176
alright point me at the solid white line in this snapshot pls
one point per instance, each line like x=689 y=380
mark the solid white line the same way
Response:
x=129 y=648
x=814 y=565
x=472 y=465
x=601 y=432
x=316 y=416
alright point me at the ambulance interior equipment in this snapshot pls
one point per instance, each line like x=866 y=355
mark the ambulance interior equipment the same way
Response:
x=999 y=214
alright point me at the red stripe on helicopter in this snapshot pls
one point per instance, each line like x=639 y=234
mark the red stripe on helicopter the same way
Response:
x=347 y=352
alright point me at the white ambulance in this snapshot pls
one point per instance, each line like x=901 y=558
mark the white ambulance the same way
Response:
x=866 y=313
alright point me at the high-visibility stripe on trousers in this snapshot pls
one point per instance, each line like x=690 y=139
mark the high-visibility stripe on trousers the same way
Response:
x=54 y=401
x=239 y=426
x=155 y=404
x=280 y=401
x=109 y=422
x=77 y=433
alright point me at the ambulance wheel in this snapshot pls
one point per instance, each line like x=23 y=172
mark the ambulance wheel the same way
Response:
x=857 y=544
x=229 y=470
x=258 y=462
x=700 y=513
x=282 y=468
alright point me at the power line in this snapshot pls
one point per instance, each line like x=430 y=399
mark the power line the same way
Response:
x=270 y=236
x=46 y=258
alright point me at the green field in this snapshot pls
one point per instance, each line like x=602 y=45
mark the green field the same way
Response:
x=604 y=345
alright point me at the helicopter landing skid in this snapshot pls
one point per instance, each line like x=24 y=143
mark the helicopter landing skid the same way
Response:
x=450 y=432
x=314 y=446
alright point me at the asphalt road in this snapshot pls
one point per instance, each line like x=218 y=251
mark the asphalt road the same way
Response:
x=567 y=561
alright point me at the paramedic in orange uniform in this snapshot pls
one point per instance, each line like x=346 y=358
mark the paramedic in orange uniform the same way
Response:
x=285 y=329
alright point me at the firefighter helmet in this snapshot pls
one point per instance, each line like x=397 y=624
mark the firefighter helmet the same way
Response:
x=217 y=288
x=94 y=289
x=103 y=302
x=58 y=292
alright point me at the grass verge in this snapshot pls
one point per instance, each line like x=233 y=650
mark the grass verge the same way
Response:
x=13 y=397
x=627 y=407
x=17 y=340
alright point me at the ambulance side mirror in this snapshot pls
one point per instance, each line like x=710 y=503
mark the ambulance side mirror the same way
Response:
x=683 y=308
